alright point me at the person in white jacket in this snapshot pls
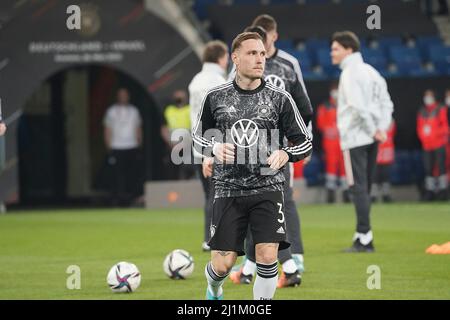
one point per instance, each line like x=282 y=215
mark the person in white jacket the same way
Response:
x=213 y=73
x=364 y=114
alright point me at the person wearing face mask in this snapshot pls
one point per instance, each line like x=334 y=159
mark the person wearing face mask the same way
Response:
x=432 y=130
x=178 y=116
x=334 y=160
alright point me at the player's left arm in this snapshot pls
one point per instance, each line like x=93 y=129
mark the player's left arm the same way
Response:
x=300 y=95
x=294 y=128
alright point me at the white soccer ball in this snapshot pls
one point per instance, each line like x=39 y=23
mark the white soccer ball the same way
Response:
x=124 y=277
x=178 y=264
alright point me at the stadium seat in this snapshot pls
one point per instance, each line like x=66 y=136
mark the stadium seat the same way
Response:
x=314 y=44
x=407 y=59
x=440 y=56
x=200 y=7
x=324 y=60
x=385 y=43
x=285 y=44
x=375 y=57
x=423 y=43
x=303 y=58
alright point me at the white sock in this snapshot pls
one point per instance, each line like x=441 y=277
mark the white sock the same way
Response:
x=289 y=266
x=215 y=281
x=364 y=238
x=249 y=268
x=266 y=281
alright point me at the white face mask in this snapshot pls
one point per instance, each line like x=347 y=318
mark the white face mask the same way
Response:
x=447 y=100
x=334 y=94
x=427 y=100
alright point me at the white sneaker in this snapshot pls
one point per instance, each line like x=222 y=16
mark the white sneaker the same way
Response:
x=205 y=247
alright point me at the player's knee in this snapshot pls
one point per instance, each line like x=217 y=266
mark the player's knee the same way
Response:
x=266 y=255
x=222 y=269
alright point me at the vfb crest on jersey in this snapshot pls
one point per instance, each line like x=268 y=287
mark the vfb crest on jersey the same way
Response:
x=276 y=81
x=245 y=133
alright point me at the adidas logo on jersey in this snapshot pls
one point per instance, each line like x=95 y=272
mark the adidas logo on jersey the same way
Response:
x=281 y=230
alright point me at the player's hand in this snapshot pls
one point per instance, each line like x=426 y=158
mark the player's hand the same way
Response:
x=307 y=159
x=2 y=128
x=278 y=159
x=380 y=136
x=207 y=167
x=224 y=152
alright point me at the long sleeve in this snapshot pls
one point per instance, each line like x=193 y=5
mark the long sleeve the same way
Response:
x=295 y=130
x=354 y=95
x=386 y=106
x=302 y=101
x=205 y=122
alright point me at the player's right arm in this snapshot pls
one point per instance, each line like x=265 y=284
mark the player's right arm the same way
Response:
x=204 y=142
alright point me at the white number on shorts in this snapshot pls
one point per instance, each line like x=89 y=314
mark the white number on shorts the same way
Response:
x=280 y=211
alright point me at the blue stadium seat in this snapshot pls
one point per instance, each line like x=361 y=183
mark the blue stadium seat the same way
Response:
x=440 y=56
x=200 y=7
x=303 y=58
x=285 y=44
x=324 y=60
x=407 y=59
x=385 y=43
x=375 y=57
x=313 y=45
x=423 y=43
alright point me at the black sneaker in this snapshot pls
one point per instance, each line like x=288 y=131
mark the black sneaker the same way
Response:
x=331 y=196
x=387 y=198
x=238 y=277
x=359 y=247
x=346 y=196
x=289 y=280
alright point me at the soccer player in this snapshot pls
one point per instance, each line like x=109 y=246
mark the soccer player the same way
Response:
x=363 y=116
x=2 y=128
x=215 y=64
x=282 y=70
x=234 y=125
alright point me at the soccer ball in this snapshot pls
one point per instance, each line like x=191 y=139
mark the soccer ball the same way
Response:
x=123 y=277
x=178 y=264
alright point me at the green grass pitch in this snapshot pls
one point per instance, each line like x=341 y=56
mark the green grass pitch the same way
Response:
x=36 y=247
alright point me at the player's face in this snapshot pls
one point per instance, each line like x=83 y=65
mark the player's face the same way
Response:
x=338 y=52
x=250 y=59
x=122 y=96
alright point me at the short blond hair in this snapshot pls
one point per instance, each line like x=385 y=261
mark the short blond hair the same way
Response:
x=237 y=42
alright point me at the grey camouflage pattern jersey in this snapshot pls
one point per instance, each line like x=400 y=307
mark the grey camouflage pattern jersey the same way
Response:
x=280 y=71
x=283 y=71
x=255 y=121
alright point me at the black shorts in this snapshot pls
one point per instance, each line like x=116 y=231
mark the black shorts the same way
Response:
x=232 y=217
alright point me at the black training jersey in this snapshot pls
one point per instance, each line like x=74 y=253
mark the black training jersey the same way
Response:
x=283 y=71
x=255 y=122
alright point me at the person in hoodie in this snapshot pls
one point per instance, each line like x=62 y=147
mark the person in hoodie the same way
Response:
x=432 y=130
x=364 y=114
x=215 y=64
